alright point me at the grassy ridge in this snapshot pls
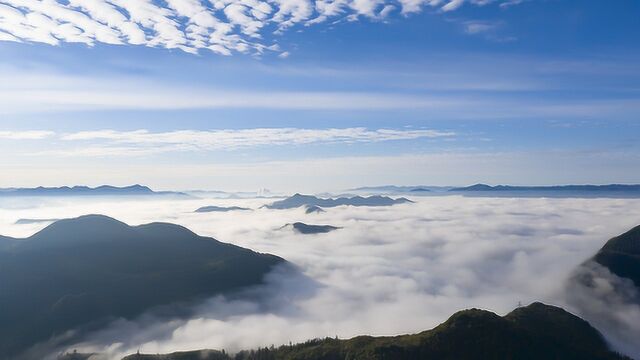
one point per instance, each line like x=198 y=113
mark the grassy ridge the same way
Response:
x=537 y=331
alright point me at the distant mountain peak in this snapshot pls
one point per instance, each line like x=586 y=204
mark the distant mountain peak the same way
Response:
x=307 y=229
x=298 y=200
x=554 y=188
x=213 y=208
x=313 y=209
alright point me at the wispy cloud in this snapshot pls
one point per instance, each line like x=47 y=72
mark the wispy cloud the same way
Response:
x=479 y=27
x=490 y=30
x=33 y=92
x=144 y=142
x=221 y=26
x=25 y=135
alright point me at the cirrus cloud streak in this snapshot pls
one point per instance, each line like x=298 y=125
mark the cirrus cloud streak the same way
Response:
x=145 y=141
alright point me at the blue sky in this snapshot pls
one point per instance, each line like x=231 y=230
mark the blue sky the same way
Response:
x=351 y=92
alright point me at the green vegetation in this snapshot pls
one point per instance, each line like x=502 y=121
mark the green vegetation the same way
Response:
x=82 y=272
x=534 y=332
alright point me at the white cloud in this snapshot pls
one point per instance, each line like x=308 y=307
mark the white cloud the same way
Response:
x=510 y=3
x=32 y=92
x=25 y=135
x=222 y=26
x=389 y=270
x=478 y=27
x=611 y=304
x=143 y=142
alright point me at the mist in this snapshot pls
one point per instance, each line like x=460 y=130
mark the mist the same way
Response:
x=388 y=270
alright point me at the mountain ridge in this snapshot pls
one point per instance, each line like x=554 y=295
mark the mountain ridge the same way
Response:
x=586 y=187
x=298 y=200
x=537 y=331
x=621 y=255
x=81 y=190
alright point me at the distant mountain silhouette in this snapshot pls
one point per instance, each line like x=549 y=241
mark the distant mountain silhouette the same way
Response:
x=313 y=209
x=104 y=190
x=306 y=229
x=79 y=272
x=420 y=190
x=298 y=200
x=206 y=209
x=581 y=188
x=391 y=189
x=534 y=332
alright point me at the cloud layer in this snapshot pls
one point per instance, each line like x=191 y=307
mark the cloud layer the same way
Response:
x=221 y=26
x=390 y=270
x=144 y=142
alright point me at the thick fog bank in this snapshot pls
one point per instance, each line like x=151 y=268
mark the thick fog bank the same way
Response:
x=389 y=270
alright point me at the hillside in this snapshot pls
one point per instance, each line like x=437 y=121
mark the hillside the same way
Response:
x=534 y=332
x=621 y=255
x=79 y=272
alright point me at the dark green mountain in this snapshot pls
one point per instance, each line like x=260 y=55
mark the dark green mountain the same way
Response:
x=534 y=332
x=80 y=272
x=621 y=255
x=298 y=200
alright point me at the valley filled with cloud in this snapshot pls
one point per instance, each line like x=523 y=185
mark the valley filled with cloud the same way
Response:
x=387 y=270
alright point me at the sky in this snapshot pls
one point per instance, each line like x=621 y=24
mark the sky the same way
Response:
x=306 y=95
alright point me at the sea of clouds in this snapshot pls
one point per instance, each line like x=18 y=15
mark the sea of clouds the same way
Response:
x=389 y=270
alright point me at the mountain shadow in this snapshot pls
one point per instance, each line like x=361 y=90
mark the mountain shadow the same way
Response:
x=534 y=332
x=83 y=271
